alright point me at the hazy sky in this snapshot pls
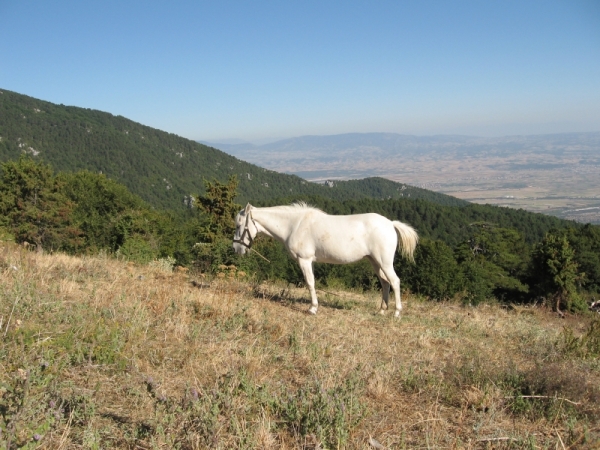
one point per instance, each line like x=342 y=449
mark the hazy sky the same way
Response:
x=256 y=70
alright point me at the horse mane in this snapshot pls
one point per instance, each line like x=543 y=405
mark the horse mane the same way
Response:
x=299 y=205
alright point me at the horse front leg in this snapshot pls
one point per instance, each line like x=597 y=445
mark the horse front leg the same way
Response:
x=309 y=277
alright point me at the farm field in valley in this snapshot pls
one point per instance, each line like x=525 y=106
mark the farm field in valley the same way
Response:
x=571 y=191
x=567 y=189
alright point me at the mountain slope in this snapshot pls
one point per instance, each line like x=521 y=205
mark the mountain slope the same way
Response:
x=160 y=167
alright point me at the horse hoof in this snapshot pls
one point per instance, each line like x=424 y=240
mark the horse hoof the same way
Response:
x=397 y=314
x=382 y=311
x=312 y=311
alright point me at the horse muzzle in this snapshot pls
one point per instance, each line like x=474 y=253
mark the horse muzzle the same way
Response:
x=239 y=248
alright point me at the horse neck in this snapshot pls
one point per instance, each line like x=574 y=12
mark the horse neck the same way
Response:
x=277 y=223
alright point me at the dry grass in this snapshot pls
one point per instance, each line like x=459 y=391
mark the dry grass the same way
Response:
x=98 y=353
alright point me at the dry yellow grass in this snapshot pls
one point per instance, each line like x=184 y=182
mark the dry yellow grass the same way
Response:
x=99 y=353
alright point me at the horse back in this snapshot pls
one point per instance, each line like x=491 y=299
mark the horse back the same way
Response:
x=342 y=239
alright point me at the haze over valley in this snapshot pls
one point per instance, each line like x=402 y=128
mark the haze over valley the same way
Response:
x=557 y=174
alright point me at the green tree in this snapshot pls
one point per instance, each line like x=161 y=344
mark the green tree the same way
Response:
x=35 y=208
x=586 y=244
x=220 y=208
x=100 y=204
x=435 y=272
x=216 y=226
x=557 y=272
x=475 y=281
x=493 y=262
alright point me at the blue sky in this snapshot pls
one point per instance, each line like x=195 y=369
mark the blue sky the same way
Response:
x=259 y=70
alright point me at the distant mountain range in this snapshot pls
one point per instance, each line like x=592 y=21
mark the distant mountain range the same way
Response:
x=162 y=168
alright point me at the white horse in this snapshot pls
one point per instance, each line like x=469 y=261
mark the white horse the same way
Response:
x=310 y=236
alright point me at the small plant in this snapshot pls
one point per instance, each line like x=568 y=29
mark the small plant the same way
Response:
x=328 y=414
x=584 y=346
x=136 y=249
x=21 y=399
x=164 y=264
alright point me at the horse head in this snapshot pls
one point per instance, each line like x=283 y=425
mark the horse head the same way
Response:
x=245 y=230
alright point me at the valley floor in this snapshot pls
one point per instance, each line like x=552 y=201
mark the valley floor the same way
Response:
x=562 y=183
x=99 y=353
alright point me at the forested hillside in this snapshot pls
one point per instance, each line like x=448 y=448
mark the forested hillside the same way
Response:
x=160 y=167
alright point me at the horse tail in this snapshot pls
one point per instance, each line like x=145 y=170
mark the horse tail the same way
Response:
x=407 y=239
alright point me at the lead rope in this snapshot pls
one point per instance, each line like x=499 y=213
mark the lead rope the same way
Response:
x=259 y=255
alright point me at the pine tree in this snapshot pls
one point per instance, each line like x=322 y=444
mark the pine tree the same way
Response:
x=220 y=208
x=34 y=207
x=557 y=271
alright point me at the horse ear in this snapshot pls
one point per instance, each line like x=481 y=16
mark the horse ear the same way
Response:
x=248 y=208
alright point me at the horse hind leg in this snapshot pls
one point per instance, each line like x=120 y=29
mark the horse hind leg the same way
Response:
x=385 y=292
x=390 y=274
x=309 y=277
x=385 y=286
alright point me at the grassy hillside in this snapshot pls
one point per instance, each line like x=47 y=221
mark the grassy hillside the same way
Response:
x=97 y=353
x=160 y=167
